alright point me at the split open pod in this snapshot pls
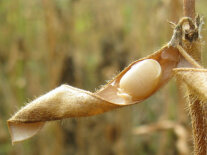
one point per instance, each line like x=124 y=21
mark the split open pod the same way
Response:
x=135 y=83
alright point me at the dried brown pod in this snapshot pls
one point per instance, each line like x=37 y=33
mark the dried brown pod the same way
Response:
x=66 y=101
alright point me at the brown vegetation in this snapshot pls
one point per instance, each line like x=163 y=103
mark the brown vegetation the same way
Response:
x=83 y=43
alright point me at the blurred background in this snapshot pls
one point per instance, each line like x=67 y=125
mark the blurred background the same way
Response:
x=84 y=43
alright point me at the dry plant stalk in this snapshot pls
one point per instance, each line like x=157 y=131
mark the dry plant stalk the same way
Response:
x=178 y=129
x=195 y=99
x=195 y=86
x=189 y=8
x=133 y=85
x=194 y=81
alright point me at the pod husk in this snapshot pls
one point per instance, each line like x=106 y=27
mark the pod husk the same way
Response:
x=195 y=80
x=66 y=101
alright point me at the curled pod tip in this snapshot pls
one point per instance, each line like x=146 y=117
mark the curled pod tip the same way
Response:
x=22 y=131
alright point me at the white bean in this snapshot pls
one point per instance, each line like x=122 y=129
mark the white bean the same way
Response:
x=141 y=80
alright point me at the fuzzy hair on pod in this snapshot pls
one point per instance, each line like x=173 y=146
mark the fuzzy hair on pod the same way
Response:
x=63 y=102
x=66 y=101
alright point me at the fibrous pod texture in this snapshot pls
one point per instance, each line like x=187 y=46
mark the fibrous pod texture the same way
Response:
x=134 y=84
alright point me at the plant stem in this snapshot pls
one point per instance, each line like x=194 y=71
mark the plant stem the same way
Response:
x=198 y=125
x=197 y=110
x=189 y=8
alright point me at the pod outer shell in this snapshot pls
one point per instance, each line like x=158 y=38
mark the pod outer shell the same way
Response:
x=168 y=58
x=66 y=101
